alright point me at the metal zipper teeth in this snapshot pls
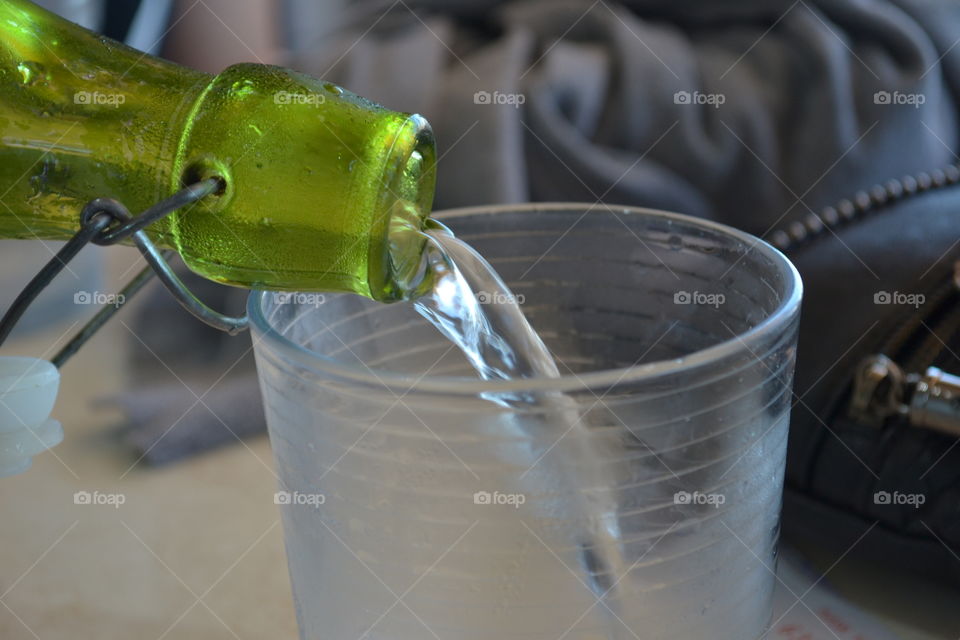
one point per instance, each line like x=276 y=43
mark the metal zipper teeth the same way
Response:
x=814 y=226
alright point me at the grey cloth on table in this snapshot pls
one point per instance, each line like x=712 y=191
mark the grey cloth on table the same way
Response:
x=605 y=118
x=176 y=420
x=193 y=388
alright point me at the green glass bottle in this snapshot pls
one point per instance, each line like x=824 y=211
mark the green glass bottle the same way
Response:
x=320 y=186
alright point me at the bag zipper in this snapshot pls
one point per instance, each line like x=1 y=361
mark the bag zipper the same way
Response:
x=911 y=390
x=814 y=226
x=899 y=380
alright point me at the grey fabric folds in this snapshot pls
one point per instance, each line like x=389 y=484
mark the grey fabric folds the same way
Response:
x=799 y=81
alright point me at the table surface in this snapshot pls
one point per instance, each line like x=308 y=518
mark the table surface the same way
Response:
x=196 y=550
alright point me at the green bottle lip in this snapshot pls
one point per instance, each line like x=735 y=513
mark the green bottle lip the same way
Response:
x=404 y=205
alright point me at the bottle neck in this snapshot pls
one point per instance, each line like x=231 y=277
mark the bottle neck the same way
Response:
x=315 y=178
x=82 y=116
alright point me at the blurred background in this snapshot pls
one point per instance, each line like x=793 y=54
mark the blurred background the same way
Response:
x=755 y=113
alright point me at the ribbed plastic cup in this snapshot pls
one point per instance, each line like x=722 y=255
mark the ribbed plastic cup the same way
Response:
x=415 y=507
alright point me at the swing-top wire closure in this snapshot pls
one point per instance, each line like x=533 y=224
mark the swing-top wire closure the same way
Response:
x=105 y=222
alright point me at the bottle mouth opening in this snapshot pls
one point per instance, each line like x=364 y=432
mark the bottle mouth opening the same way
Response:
x=414 y=182
x=408 y=201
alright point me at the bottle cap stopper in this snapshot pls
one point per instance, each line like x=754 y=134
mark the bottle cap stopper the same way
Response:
x=28 y=391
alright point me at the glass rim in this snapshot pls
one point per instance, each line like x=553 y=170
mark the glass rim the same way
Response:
x=774 y=321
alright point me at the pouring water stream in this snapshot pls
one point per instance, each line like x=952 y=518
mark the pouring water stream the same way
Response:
x=471 y=305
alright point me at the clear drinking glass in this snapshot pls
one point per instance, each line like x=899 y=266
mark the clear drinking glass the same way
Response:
x=415 y=507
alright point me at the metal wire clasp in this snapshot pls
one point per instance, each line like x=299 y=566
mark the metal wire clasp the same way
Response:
x=106 y=222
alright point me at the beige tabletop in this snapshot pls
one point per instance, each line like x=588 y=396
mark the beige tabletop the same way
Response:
x=196 y=549
x=194 y=552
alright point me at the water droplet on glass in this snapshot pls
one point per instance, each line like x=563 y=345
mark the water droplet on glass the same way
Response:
x=242 y=89
x=332 y=88
x=675 y=242
x=30 y=71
